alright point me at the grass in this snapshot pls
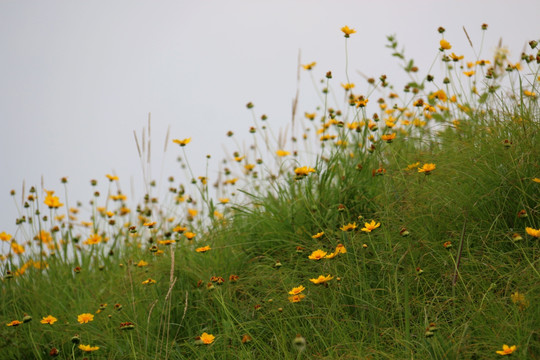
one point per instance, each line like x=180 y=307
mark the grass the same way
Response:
x=450 y=272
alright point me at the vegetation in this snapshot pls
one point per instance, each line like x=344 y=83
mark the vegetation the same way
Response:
x=409 y=233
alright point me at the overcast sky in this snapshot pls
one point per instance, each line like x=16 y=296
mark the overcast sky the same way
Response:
x=78 y=77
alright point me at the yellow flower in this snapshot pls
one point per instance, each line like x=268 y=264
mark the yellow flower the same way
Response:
x=303 y=171
x=149 y=224
x=340 y=249
x=207 y=338
x=5 y=236
x=368 y=227
x=182 y=142
x=149 y=281
x=88 y=348
x=469 y=73
x=318 y=235
x=322 y=279
x=389 y=137
x=224 y=200
x=309 y=66
x=317 y=255
x=166 y=242
x=536 y=180
x=360 y=102
x=111 y=177
x=193 y=212
x=310 y=116
x=179 y=229
x=349 y=227
x=49 y=320
x=456 y=57
x=520 y=300
x=347 y=31
x=93 y=239
x=347 y=86
x=203 y=249
x=296 y=298
x=413 y=166
x=51 y=201
x=16 y=248
x=85 y=318
x=142 y=263
x=14 y=323
x=297 y=290
x=507 y=350
x=189 y=235
x=445 y=45
x=281 y=153
x=427 y=168
x=533 y=232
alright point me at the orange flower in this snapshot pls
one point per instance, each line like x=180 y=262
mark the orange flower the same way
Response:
x=203 y=249
x=49 y=320
x=427 y=168
x=318 y=235
x=207 y=338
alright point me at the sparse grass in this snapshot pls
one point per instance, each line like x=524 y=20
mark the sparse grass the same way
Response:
x=450 y=273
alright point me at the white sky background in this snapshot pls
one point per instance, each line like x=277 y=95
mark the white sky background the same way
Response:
x=77 y=77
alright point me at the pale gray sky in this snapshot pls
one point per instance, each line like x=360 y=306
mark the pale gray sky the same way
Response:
x=77 y=77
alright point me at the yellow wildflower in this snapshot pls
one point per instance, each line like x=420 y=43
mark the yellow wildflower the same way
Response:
x=16 y=248
x=149 y=281
x=49 y=320
x=296 y=298
x=51 y=201
x=281 y=153
x=388 y=137
x=207 y=338
x=93 y=239
x=427 y=168
x=88 y=348
x=349 y=227
x=445 y=45
x=111 y=177
x=317 y=255
x=5 y=236
x=85 y=318
x=189 y=235
x=507 y=350
x=303 y=171
x=297 y=290
x=322 y=279
x=347 y=31
x=142 y=263
x=318 y=235
x=309 y=66
x=368 y=227
x=347 y=86
x=182 y=142
x=224 y=200
x=203 y=249
x=533 y=232
x=14 y=323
